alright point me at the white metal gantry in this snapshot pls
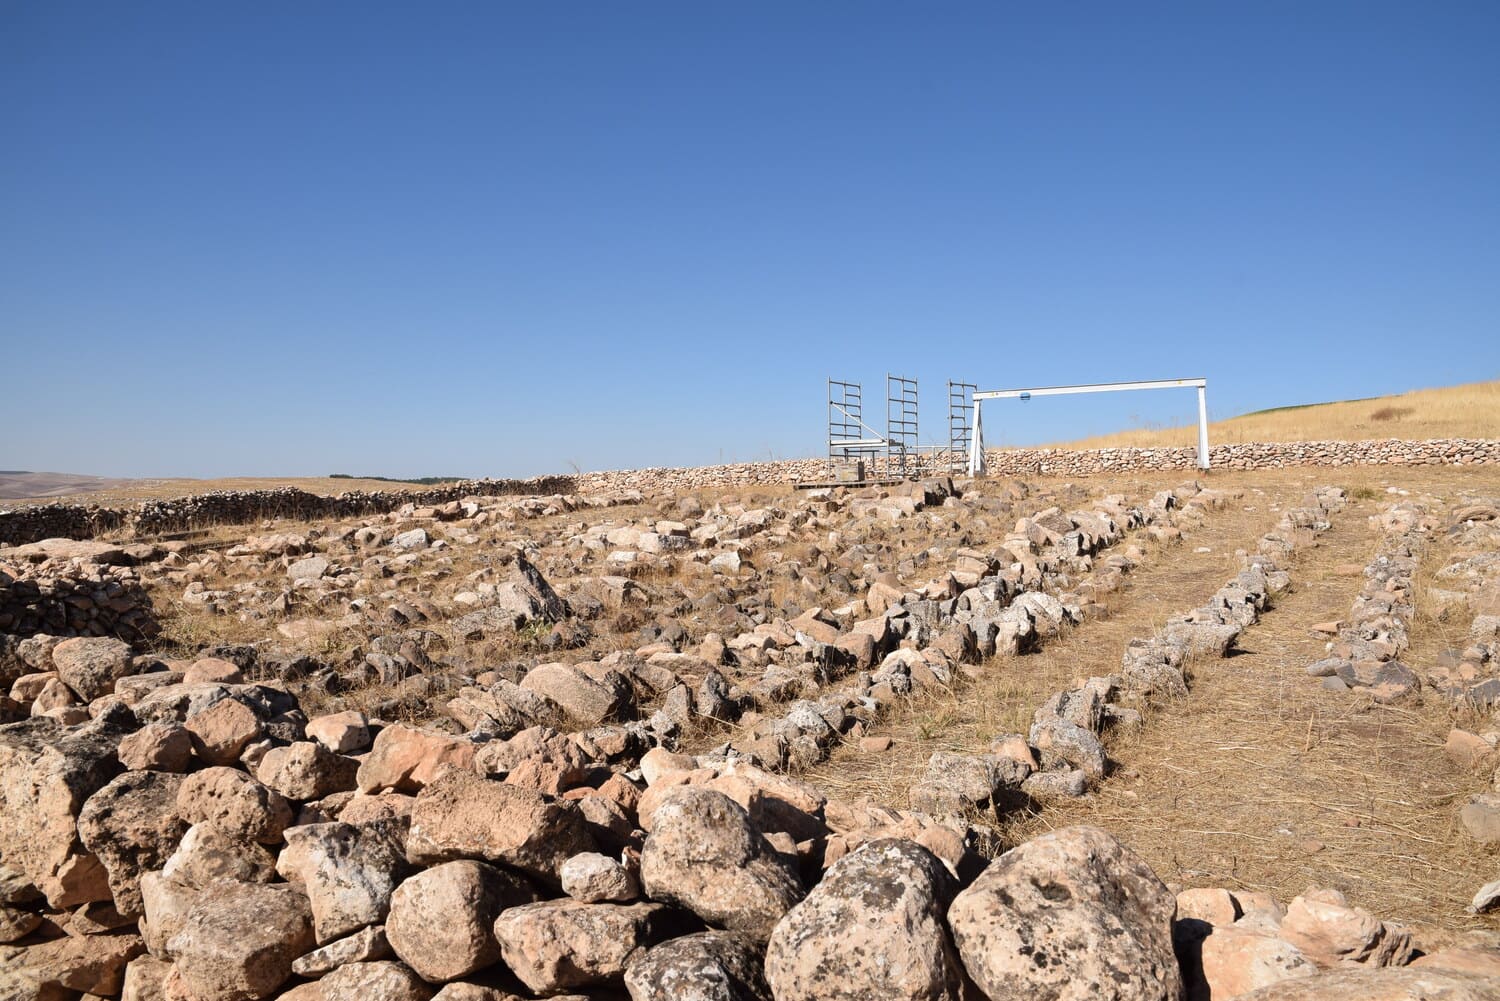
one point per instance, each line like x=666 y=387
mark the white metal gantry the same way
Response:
x=976 y=441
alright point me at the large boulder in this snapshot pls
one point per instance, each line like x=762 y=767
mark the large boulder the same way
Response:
x=704 y=854
x=132 y=825
x=587 y=700
x=238 y=942
x=464 y=816
x=90 y=665
x=234 y=802
x=47 y=772
x=872 y=928
x=526 y=596
x=560 y=944
x=406 y=759
x=306 y=770
x=708 y=966
x=1070 y=916
x=348 y=872
x=442 y=919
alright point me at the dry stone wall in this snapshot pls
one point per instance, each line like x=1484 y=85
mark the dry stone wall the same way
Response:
x=231 y=507
x=1082 y=462
x=75 y=600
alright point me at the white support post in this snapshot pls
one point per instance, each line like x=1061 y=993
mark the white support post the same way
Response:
x=1202 y=427
x=976 y=444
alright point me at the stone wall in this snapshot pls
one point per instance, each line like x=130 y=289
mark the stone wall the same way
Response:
x=1082 y=462
x=234 y=507
x=74 y=600
x=151 y=518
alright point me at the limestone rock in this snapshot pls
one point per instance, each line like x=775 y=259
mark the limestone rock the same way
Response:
x=306 y=770
x=381 y=980
x=874 y=927
x=442 y=920
x=1071 y=915
x=347 y=872
x=1236 y=961
x=92 y=964
x=132 y=826
x=238 y=942
x=90 y=665
x=233 y=801
x=1331 y=933
x=162 y=747
x=595 y=878
x=464 y=816
x=708 y=966
x=342 y=733
x=363 y=946
x=47 y=772
x=557 y=944
x=207 y=853
x=406 y=759
x=705 y=855
x=1407 y=984
x=222 y=731
x=588 y=701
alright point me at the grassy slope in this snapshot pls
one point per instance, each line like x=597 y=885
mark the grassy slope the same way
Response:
x=1468 y=411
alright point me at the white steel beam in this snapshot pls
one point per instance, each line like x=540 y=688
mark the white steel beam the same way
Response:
x=1102 y=387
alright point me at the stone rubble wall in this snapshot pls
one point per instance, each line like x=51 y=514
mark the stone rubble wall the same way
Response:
x=75 y=601
x=85 y=521
x=1077 y=462
x=233 y=507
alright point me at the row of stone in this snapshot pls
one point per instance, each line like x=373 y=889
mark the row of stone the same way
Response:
x=1365 y=656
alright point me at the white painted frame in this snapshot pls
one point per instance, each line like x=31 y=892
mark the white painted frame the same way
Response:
x=976 y=441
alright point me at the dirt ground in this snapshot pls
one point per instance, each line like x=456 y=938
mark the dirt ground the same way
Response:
x=1259 y=779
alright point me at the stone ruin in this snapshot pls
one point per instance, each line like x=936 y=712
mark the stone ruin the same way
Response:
x=186 y=829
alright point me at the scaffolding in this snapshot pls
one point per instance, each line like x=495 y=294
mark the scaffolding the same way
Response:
x=960 y=423
x=901 y=426
x=850 y=439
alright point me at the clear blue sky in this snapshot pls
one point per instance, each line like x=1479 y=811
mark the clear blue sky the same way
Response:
x=503 y=238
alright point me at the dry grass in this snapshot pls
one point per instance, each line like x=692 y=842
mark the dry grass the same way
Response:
x=1259 y=779
x=1468 y=411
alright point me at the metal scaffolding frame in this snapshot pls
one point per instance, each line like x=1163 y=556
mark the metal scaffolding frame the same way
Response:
x=960 y=422
x=849 y=437
x=901 y=425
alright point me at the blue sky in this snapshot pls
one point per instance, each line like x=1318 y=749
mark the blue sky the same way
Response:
x=504 y=238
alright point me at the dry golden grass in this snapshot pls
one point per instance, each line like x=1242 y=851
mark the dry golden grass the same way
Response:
x=1468 y=411
x=127 y=492
x=1259 y=779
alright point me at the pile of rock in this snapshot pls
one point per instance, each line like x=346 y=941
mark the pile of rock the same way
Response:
x=198 y=838
x=1365 y=656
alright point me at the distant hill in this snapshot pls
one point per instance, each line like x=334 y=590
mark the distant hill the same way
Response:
x=1468 y=411
x=19 y=483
